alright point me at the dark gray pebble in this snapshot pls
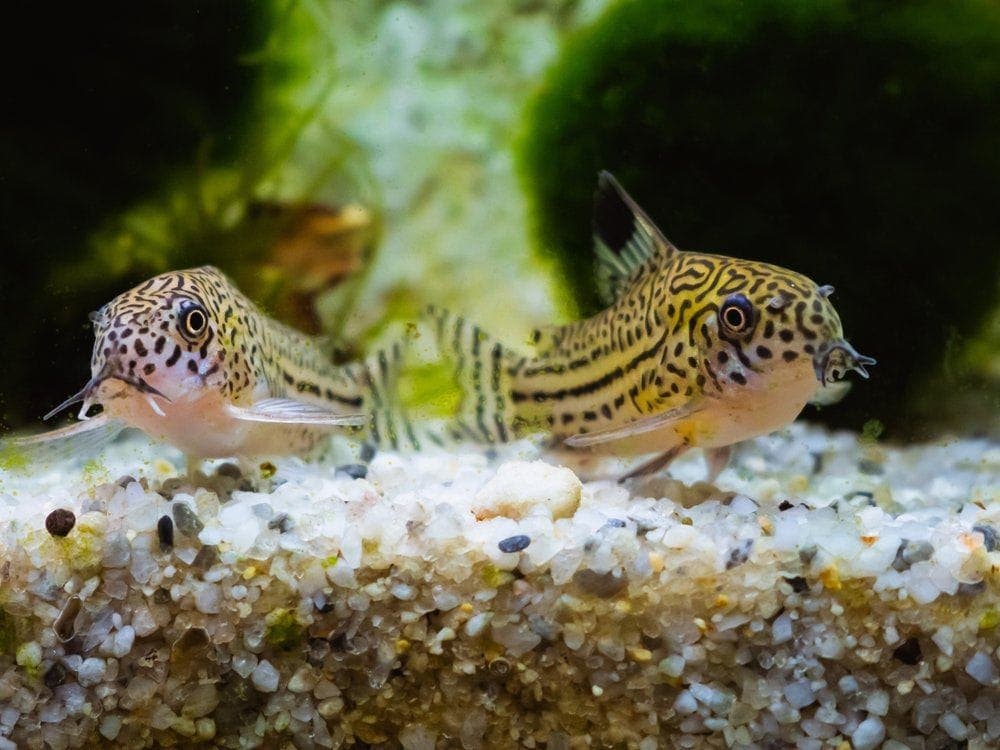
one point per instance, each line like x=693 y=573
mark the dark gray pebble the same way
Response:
x=319 y=649
x=911 y=552
x=354 y=471
x=807 y=553
x=207 y=557
x=60 y=522
x=817 y=459
x=280 y=523
x=514 y=543
x=990 y=539
x=798 y=583
x=867 y=466
x=909 y=652
x=125 y=481
x=864 y=495
x=616 y=523
x=971 y=589
x=55 y=676
x=165 y=533
x=739 y=554
x=367 y=452
x=187 y=522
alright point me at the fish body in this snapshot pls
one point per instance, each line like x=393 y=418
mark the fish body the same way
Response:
x=695 y=350
x=188 y=359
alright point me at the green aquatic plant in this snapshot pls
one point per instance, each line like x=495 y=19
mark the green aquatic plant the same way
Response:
x=872 y=430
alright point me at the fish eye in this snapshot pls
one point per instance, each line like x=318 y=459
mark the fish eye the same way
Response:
x=193 y=319
x=737 y=313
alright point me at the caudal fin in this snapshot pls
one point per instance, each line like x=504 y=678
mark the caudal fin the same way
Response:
x=389 y=424
x=480 y=374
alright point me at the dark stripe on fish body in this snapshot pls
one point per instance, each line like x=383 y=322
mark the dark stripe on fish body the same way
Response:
x=593 y=385
x=303 y=386
x=712 y=283
x=500 y=405
x=477 y=380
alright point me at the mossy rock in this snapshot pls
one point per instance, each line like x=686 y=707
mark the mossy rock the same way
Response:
x=856 y=143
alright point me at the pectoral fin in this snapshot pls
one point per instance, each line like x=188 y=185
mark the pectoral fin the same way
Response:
x=85 y=437
x=640 y=426
x=291 y=412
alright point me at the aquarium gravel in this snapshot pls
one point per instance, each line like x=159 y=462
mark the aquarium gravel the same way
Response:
x=825 y=592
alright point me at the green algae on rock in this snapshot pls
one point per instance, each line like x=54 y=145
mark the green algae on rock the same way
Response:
x=853 y=143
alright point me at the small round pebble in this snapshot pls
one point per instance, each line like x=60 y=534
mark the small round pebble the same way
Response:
x=991 y=540
x=280 y=523
x=354 y=471
x=265 y=677
x=869 y=734
x=514 y=543
x=60 y=522
x=165 y=532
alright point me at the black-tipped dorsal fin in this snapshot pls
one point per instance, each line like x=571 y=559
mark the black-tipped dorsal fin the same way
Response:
x=624 y=238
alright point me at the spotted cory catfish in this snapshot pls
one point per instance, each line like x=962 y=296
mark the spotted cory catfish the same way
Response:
x=695 y=350
x=188 y=359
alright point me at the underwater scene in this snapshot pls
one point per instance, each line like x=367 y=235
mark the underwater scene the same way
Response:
x=550 y=374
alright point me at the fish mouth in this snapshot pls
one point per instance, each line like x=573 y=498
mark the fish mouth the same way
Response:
x=86 y=394
x=835 y=359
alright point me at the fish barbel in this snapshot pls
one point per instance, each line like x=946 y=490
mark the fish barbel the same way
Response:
x=695 y=350
x=188 y=359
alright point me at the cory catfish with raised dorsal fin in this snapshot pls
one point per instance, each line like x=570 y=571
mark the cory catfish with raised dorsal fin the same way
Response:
x=695 y=350
x=188 y=359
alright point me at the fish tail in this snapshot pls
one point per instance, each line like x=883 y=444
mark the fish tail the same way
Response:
x=482 y=375
x=390 y=424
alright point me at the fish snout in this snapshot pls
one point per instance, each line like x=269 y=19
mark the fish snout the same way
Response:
x=834 y=360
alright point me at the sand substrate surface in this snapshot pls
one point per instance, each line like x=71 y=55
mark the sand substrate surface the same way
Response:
x=822 y=592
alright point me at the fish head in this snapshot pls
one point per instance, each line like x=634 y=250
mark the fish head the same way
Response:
x=767 y=327
x=175 y=337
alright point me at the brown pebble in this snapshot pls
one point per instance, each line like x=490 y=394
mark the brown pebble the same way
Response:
x=54 y=676
x=603 y=585
x=60 y=522
x=65 y=624
x=229 y=470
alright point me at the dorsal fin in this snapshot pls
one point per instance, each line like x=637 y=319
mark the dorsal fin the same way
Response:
x=624 y=238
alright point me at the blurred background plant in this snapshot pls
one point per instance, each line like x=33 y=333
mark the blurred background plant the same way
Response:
x=348 y=162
